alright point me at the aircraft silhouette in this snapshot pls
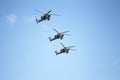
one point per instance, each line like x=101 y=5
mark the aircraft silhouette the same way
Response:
x=65 y=49
x=45 y=16
x=59 y=35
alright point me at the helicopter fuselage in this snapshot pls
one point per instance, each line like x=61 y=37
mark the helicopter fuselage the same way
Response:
x=45 y=16
x=59 y=35
x=64 y=50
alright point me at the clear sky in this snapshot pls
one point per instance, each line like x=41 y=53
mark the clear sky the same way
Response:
x=27 y=54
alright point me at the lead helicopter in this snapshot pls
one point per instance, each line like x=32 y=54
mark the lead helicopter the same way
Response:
x=59 y=35
x=65 y=49
x=45 y=16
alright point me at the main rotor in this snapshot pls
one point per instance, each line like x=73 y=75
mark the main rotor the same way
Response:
x=61 y=32
x=68 y=47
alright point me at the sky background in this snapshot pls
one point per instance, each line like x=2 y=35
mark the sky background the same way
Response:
x=27 y=54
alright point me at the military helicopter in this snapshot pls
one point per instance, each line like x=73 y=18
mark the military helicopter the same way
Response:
x=65 y=49
x=46 y=16
x=58 y=35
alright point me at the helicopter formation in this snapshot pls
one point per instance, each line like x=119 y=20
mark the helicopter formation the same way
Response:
x=59 y=35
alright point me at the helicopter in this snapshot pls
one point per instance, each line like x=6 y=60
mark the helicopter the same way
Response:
x=45 y=16
x=58 y=35
x=65 y=49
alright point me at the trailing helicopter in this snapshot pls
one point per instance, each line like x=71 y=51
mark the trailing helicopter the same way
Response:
x=45 y=16
x=58 y=35
x=65 y=49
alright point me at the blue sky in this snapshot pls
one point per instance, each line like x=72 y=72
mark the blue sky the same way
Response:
x=27 y=54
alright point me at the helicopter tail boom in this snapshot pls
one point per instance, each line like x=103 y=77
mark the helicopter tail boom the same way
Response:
x=56 y=53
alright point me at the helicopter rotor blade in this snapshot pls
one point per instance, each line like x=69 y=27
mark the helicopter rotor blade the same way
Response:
x=68 y=34
x=71 y=46
x=73 y=49
x=36 y=14
x=62 y=44
x=55 y=14
x=65 y=31
x=55 y=30
x=48 y=11
x=39 y=11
